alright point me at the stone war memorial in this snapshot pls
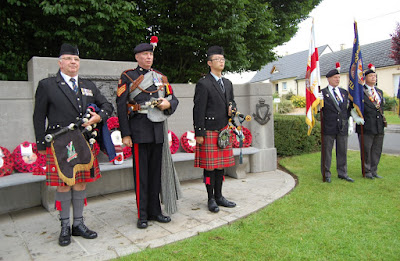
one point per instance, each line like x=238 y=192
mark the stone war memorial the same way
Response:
x=24 y=190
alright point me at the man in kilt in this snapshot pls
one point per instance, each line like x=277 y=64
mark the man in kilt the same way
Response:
x=62 y=100
x=213 y=101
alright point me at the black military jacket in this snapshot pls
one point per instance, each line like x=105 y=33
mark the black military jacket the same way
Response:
x=335 y=117
x=138 y=126
x=57 y=103
x=373 y=118
x=211 y=105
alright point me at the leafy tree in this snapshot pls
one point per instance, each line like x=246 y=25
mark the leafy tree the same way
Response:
x=102 y=29
x=106 y=29
x=395 y=55
x=248 y=31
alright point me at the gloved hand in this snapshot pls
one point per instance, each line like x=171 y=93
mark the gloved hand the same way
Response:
x=351 y=126
x=356 y=118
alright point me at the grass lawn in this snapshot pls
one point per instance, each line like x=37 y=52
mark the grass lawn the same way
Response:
x=392 y=117
x=316 y=221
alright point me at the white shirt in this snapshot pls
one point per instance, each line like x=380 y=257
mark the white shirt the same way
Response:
x=67 y=79
x=335 y=91
x=372 y=94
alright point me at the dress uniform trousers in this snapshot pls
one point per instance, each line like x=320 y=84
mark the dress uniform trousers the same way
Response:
x=147 y=176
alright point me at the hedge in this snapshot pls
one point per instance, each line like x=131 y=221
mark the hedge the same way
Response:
x=291 y=135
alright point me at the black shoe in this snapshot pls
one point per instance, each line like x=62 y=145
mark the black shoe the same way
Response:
x=328 y=179
x=83 y=231
x=346 y=178
x=369 y=177
x=212 y=205
x=225 y=203
x=142 y=224
x=65 y=236
x=160 y=218
x=377 y=176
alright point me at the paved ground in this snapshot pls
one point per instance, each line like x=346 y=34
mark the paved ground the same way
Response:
x=32 y=234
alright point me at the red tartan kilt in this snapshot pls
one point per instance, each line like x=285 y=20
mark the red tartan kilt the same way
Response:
x=52 y=178
x=209 y=156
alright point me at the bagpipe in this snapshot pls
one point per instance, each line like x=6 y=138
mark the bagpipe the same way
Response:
x=236 y=128
x=72 y=147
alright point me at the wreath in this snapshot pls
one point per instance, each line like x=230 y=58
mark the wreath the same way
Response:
x=32 y=163
x=246 y=141
x=174 y=143
x=127 y=152
x=6 y=162
x=188 y=145
x=112 y=123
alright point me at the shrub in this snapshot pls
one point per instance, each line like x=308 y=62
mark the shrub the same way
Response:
x=390 y=103
x=287 y=96
x=291 y=135
x=298 y=101
x=284 y=106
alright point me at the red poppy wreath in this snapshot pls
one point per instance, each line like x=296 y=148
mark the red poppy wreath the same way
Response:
x=173 y=142
x=6 y=162
x=27 y=159
x=247 y=138
x=188 y=143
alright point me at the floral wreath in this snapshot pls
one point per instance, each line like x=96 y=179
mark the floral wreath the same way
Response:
x=7 y=164
x=188 y=145
x=247 y=138
x=33 y=163
x=174 y=144
x=127 y=152
x=112 y=123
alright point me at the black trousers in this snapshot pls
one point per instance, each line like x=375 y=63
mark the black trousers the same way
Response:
x=147 y=175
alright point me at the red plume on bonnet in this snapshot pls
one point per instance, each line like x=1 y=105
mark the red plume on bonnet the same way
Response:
x=371 y=67
x=338 y=66
x=154 y=41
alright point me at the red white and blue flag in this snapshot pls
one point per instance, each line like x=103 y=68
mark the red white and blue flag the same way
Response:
x=356 y=76
x=312 y=83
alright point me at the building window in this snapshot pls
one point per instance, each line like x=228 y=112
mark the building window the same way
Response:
x=284 y=86
x=277 y=88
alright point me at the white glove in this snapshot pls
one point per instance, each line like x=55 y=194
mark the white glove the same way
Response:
x=351 y=126
x=319 y=96
x=356 y=118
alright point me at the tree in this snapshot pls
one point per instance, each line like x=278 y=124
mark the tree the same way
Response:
x=107 y=29
x=395 y=55
x=248 y=31
x=102 y=29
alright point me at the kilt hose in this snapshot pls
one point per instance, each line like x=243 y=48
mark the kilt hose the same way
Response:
x=147 y=176
x=52 y=178
x=209 y=156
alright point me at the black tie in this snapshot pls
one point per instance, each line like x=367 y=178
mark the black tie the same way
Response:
x=221 y=85
x=74 y=85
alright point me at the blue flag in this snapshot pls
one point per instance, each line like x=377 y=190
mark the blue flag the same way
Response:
x=356 y=76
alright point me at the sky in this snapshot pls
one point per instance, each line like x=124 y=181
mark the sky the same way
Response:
x=333 y=24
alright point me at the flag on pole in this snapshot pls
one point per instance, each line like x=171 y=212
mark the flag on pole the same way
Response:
x=312 y=83
x=356 y=76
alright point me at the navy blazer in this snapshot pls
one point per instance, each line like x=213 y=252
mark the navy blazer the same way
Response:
x=211 y=105
x=335 y=117
x=57 y=103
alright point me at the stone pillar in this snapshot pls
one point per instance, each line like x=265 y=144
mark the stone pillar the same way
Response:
x=263 y=134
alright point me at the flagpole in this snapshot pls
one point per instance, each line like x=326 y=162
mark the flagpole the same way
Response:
x=362 y=150
x=321 y=114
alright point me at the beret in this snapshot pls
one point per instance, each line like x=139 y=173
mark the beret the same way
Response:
x=68 y=49
x=332 y=73
x=143 y=47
